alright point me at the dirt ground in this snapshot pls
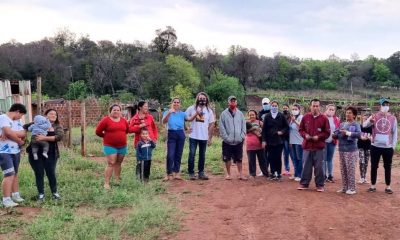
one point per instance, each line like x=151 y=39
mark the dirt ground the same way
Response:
x=261 y=209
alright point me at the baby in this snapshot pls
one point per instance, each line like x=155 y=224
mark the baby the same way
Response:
x=39 y=127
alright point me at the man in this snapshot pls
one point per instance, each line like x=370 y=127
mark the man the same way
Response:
x=383 y=143
x=201 y=131
x=232 y=128
x=314 y=128
x=274 y=130
x=10 y=143
x=266 y=108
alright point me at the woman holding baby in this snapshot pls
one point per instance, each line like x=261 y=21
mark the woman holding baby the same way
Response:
x=43 y=162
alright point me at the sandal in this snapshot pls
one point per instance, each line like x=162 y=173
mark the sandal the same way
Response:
x=227 y=177
x=243 y=178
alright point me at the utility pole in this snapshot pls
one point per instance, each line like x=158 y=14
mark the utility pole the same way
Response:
x=39 y=93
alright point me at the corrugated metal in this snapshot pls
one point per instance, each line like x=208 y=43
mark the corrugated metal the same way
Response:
x=24 y=97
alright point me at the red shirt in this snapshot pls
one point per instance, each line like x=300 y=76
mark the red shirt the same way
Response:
x=113 y=133
x=134 y=127
x=314 y=126
x=253 y=142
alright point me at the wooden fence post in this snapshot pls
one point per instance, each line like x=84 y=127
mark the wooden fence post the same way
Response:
x=69 y=144
x=39 y=93
x=83 y=127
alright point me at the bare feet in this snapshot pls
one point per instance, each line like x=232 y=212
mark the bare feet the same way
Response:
x=228 y=177
x=243 y=178
x=107 y=186
x=167 y=178
x=177 y=176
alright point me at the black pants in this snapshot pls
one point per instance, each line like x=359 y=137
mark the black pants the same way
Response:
x=143 y=169
x=275 y=158
x=252 y=155
x=41 y=166
x=387 y=155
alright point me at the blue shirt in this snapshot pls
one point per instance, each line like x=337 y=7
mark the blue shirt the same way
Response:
x=176 y=120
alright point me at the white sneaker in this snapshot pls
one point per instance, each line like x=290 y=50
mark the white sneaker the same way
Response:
x=297 y=179
x=17 y=198
x=291 y=177
x=351 y=192
x=45 y=155
x=9 y=203
x=361 y=181
x=341 y=191
x=260 y=174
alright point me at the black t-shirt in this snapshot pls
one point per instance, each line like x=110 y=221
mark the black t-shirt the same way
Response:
x=365 y=144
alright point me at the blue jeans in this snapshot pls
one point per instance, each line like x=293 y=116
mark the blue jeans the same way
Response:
x=192 y=153
x=286 y=154
x=297 y=158
x=329 y=150
x=175 y=143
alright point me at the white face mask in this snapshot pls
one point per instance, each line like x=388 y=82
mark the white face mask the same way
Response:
x=295 y=112
x=385 y=109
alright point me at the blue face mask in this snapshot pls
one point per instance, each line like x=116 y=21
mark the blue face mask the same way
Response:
x=266 y=107
x=274 y=109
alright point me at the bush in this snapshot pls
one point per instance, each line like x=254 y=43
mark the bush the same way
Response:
x=328 y=85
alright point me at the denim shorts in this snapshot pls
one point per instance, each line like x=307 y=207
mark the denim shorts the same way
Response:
x=112 y=150
x=9 y=163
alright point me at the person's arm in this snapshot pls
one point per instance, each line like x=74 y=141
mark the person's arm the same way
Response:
x=243 y=132
x=191 y=118
x=394 y=131
x=222 y=130
x=303 y=130
x=369 y=122
x=264 y=132
x=285 y=124
x=11 y=135
x=155 y=130
x=325 y=131
x=135 y=125
x=356 y=133
x=58 y=135
x=152 y=144
x=101 y=127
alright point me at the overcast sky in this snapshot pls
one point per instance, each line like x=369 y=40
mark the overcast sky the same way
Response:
x=302 y=28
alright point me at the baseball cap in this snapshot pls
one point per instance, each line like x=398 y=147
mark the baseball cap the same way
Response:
x=383 y=100
x=231 y=98
x=265 y=101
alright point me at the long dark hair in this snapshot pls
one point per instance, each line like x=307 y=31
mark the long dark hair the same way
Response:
x=207 y=100
x=137 y=107
x=52 y=109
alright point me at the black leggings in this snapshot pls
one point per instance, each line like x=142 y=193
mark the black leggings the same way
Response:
x=43 y=165
x=275 y=158
x=387 y=155
x=145 y=168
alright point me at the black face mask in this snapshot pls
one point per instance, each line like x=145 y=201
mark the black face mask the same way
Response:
x=201 y=102
x=285 y=112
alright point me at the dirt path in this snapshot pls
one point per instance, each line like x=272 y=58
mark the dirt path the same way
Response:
x=260 y=209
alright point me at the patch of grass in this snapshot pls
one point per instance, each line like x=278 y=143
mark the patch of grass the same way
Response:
x=9 y=223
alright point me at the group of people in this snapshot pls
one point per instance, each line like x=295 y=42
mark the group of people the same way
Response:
x=310 y=140
x=43 y=151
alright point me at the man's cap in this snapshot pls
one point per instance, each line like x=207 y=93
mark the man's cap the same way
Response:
x=231 y=98
x=383 y=100
x=265 y=101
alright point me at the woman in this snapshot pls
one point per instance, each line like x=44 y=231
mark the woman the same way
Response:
x=253 y=144
x=175 y=120
x=296 y=142
x=142 y=120
x=330 y=143
x=348 y=134
x=54 y=134
x=113 y=129
x=275 y=126
x=286 y=146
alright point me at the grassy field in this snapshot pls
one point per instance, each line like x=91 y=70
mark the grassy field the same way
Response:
x=86 y=211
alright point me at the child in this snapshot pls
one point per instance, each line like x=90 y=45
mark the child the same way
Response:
x=144 y=151
x=364 y=145
x=39 y=127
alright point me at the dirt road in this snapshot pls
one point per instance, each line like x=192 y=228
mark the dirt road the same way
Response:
x=261 y=209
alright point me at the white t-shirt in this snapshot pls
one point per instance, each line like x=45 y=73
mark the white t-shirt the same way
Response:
x=9 y=146
x=199 y=126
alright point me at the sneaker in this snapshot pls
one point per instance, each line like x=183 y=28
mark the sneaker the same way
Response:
x=41 y=197
x=8 y=203
x=371 y=189
x=192 y=176
x=388 y=191
x=302 y=187
x=56 y=196
x=202 y=176
x=17 y=198
x=341 y=191
x=297 y=179
x=320 y=189
x=260 y=174
x=350 y=192
x=286 y=173
x=292 y=177
x=330 y=179
x=361 y=181
x=45 y=155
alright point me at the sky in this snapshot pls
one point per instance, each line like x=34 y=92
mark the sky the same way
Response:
x=302 y=28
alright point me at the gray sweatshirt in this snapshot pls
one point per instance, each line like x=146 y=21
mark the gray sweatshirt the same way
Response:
x=232 y=127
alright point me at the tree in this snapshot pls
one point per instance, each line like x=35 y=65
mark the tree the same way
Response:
x=76 y=90
x=223 y=86
x=180 y=71
x=393 y=62
x=381 y=73
x=155 y=84
x=165 y=39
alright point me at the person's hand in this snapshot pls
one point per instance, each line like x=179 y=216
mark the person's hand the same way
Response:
x=20 y=142
x=315 y=138
x=308 y=137
x=293 y=118
x=3 y=137
x=209 y=142
x=264 y=144
x=172 y=110
x=40 y=138
x=372 y=119
x=343 y=132
x=280 y=133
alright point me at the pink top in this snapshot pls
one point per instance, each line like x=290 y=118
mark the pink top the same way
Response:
x=253 y=142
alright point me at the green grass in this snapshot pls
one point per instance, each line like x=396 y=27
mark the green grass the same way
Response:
x=86 y=209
